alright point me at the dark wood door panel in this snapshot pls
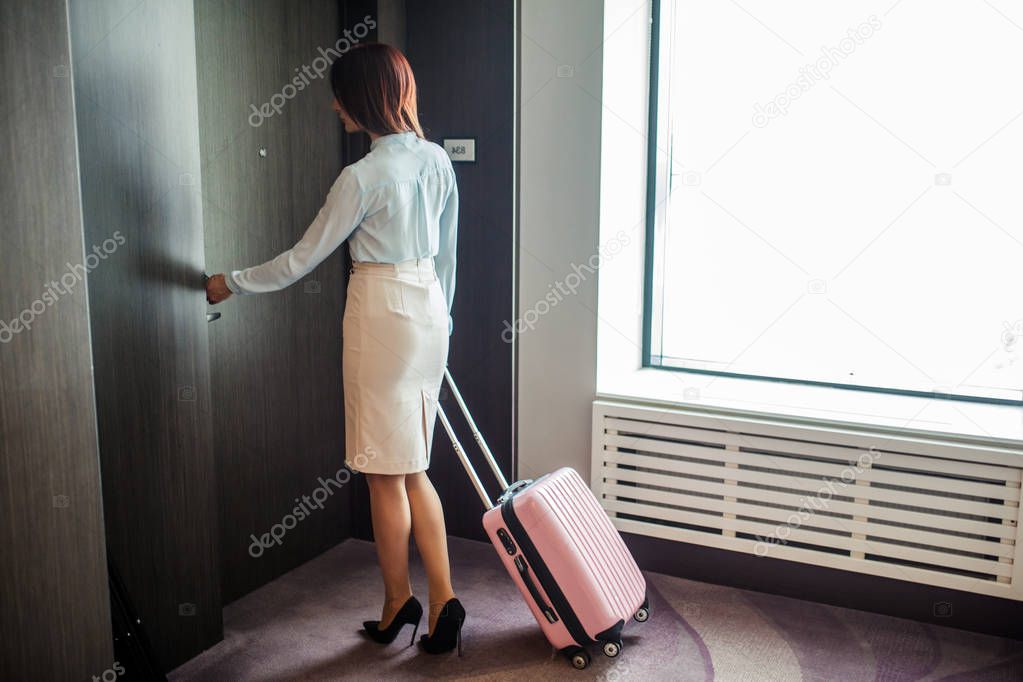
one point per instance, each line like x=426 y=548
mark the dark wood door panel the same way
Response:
x=276 y=358
x=136 y=100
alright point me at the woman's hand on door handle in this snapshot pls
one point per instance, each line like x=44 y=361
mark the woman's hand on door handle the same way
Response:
x=216 y=289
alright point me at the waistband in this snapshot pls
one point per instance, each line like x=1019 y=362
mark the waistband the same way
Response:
x=423 y=268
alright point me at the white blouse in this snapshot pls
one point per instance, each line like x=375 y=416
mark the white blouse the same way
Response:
x=397 y=203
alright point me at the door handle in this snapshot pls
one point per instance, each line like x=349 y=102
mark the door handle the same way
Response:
x=210 y=317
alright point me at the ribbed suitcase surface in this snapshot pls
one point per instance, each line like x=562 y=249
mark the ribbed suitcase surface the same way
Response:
x=605 y=567
x=576 y=558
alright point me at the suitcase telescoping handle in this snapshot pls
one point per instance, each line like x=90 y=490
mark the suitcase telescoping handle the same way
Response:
x=466 y=464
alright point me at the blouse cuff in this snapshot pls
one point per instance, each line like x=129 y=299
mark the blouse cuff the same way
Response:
x=231 y=283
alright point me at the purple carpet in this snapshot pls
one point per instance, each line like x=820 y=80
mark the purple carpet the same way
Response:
x=303 y=626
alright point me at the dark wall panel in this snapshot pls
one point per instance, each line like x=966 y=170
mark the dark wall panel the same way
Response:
x=276 y=358
x=462 y=52
x=354 y=147
x=136 y=97
x=55 y=617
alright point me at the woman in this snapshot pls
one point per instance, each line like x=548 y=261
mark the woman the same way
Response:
x=398 y=209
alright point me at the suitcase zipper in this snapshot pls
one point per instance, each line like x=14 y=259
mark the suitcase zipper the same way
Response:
x=543 y=576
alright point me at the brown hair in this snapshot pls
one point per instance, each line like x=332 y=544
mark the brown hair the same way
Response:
x=374 y=84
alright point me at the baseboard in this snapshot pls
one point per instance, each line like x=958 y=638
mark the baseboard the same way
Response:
x=923 y=603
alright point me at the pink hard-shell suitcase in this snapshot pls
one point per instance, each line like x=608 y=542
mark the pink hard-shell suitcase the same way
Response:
x=561 y=549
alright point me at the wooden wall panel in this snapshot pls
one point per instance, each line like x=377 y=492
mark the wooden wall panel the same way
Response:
x=355 y=147
x=55 y=616
x=276 y=358
x=136 y=100
x=462 y=52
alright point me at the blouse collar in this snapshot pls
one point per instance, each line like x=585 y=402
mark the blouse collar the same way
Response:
x=393 y=138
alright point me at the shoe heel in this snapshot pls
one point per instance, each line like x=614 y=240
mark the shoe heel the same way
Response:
x=459 y=636
x=414 y=631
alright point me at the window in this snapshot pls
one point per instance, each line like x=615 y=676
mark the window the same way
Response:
x=833 y=194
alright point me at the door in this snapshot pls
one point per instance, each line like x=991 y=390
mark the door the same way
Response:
x=137 y=107
x=276 y=358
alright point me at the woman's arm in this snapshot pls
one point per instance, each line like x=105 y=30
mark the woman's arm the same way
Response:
x=340 y=215
x=445 y=260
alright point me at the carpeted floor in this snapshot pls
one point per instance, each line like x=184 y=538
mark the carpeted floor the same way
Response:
x=304 y=626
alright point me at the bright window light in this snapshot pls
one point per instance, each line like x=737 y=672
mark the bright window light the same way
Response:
x=836 y=194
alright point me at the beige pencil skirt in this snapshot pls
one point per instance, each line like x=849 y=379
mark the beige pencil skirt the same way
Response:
x=395 y=348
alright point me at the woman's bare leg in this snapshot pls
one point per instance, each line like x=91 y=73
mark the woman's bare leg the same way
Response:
x=431 y=539
x=389 y=505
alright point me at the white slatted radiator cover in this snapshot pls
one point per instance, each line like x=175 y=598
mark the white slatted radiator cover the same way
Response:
x=937 y=512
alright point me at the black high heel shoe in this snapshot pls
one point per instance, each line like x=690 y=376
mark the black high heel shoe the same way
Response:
x=447 y=633
x=409 y=614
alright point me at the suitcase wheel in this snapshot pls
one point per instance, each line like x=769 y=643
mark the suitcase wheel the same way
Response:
x=578 y=657
x=612 y=649
x=642 y=615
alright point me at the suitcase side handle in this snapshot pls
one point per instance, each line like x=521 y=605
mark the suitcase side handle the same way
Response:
x=460 y=451
x=541 y=603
